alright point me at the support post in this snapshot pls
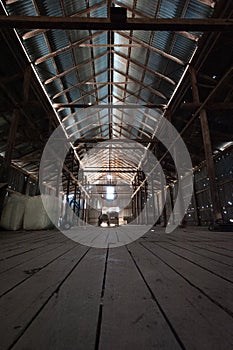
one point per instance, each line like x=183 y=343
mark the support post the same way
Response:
x=213 y=190
x=172 y=202
x=8 y=157
x=11 y=137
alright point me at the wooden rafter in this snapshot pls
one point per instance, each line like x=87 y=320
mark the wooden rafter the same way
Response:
x=73 y=87
x=36 y=32
x=137 y=119
x=113 y=141
x=66 y=48
x=26 y=83
x=130 y=93
x=75 y=68
x=93 y=91
x=84 y=120
x=144 y=67
x=146 y=87
x=133 y=127
x=143 y=15
x=152 y=48
x=86 y=127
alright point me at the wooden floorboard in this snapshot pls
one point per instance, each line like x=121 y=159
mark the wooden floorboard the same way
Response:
x=163 y=291
x=69 y=318
x=131 y=318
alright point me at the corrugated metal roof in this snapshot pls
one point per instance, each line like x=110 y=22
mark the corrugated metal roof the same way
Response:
x=78 y=66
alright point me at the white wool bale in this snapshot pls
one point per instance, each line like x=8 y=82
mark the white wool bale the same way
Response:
x=13 y=212
x=36 y=217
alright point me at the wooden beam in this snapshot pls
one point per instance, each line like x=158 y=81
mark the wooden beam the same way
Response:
x=11 y=137
x=209 y=106
x=210 y=3
x=78 y=85
x=147 y=69
x=105 y=106
x=65 y=48
x=26 y=83
x=113 y=141
x=152 y=48
x=9 y=2
x=10 y=78
x=142 y=15
x=74 y=179
x=86 y=11
x=146 y=87
x=213 y=191
x=107 y=82
x=93 y=23
x=75 y=68
x=110 y=45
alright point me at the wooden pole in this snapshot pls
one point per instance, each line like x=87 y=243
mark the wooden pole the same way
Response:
x=97 y=23
x=213 y=190
x=8 y=156
x=11 y=137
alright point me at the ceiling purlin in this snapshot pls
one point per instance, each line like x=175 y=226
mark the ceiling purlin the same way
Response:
x=81 y=109
x=146 y=115
x=132 y=127
x=110 y=42
x=139 y=14
x=128 y=62
x=125 y=127
x=130 y=93
x=72 y=51
x=210 y=3
x=84 y=128
x=94 y=69
x=85 y=119
x=139 y=120
x=172 y=44
x=146 y=61
x=92 y=92
x=128 y=129
x=67 y=48
x=83 y=82
x=174 y=34
x=36 y=32
x=49 y=47
x=143 y=66
x=73 y=69
x=152 y=48
x=142 y=85
x=102 y=157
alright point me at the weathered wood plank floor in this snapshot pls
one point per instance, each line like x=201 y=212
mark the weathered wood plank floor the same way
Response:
x=161 y=292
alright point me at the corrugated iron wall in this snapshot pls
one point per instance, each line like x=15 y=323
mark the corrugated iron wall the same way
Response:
x=199 y=211
x=19 y=181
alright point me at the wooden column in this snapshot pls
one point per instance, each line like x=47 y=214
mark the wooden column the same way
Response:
x=197 y=212
x=213 y=190
x=134 y=207
x=141 y=205
x=27 y=186
x=158 y=205
x=67 y=199
x=153 y=199
x=163 y=197
x=164 y=208
x=75 y=197
x=8 y=156
x=172 y=202
x=11 y=137
x=147 y=199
